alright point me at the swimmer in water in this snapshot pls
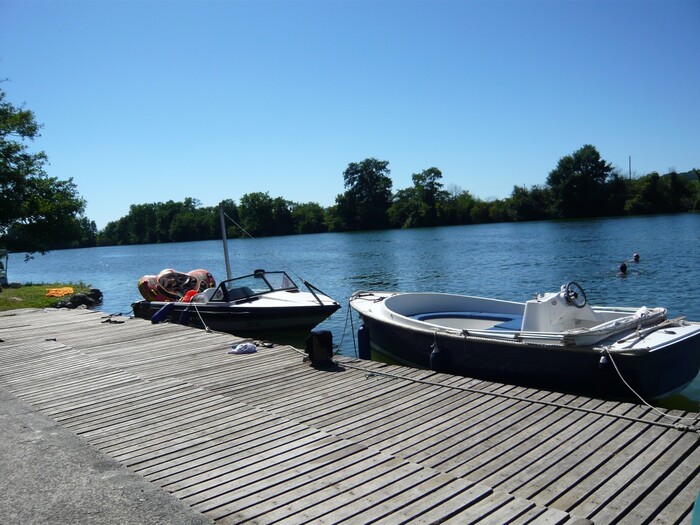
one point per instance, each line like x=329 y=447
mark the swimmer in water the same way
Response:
x=623 y=269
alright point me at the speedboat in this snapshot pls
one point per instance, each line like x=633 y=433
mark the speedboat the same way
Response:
x=254 y=304
x=556 y=341
x=260 y=302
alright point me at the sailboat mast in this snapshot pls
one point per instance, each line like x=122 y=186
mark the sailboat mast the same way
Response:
x=225 y=240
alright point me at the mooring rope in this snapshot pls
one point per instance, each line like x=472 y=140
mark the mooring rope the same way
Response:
x=653 y=408
x=348 y=316
x=206 y=328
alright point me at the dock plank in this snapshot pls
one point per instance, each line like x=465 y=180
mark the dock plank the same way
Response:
x=643 y=475
x=265 y=437
x=273 y=495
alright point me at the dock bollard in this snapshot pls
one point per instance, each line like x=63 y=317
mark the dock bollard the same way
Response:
x=319 y=347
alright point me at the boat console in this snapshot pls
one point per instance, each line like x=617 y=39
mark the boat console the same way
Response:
x=566 y=309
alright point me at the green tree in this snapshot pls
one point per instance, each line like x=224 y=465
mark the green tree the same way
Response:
x=456 y=207
x=257 y=213
x=341 y=217
x=616 y=192
x=680 y=192
x=647 y=196
x=165 y=215
x=332 y=218
x=142 y=222
x=192 y=225
x=231 y=210
x=578 y=184
x=528 y=205
x=429 y=192
x=191 y=222
x=480 y=212
x=364 y=204
x=161 y=222
x=404 y=208
x=89 y=232
x=282 y=218
x=309 y=218
x=498 y=210
x=37 y=212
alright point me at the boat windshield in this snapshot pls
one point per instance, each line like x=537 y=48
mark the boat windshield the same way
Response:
x=257 y=283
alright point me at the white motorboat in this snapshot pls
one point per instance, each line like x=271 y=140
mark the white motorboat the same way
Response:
x=259 y=302
x=556 y=341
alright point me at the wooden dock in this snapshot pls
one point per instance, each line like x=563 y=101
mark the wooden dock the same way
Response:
x=266 y=438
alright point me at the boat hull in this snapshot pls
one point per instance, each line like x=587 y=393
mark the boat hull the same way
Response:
x=576 y=370
x=238 y=319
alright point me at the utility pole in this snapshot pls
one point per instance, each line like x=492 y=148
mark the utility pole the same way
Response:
x=630 y=166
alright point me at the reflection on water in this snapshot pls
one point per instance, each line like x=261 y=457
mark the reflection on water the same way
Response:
x=686 y=400
x=511 y=261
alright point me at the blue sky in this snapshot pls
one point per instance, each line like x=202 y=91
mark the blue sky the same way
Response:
x=147 y=101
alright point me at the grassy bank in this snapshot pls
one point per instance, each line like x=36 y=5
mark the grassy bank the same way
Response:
x=34 y=295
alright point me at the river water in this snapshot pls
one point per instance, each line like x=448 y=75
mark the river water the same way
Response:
x=512 y=261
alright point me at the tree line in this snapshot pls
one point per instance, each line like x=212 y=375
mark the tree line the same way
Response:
x=582 y=185
x=39 y=213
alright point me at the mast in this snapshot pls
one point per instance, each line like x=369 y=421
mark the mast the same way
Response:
x=225 y=240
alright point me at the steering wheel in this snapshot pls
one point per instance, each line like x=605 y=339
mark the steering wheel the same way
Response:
x=575 y=295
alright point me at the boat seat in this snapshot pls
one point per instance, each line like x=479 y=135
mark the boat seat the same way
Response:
x=205 y=296
x=516 y=323
x=508 y=321
x=241 y=292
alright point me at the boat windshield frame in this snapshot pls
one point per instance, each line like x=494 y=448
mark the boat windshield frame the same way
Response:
x=250 y=287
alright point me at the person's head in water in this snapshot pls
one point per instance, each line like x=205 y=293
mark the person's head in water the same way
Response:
x=623 y=268
x=635 y=257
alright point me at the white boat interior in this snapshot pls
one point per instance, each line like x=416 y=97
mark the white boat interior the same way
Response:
x=563 y=317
